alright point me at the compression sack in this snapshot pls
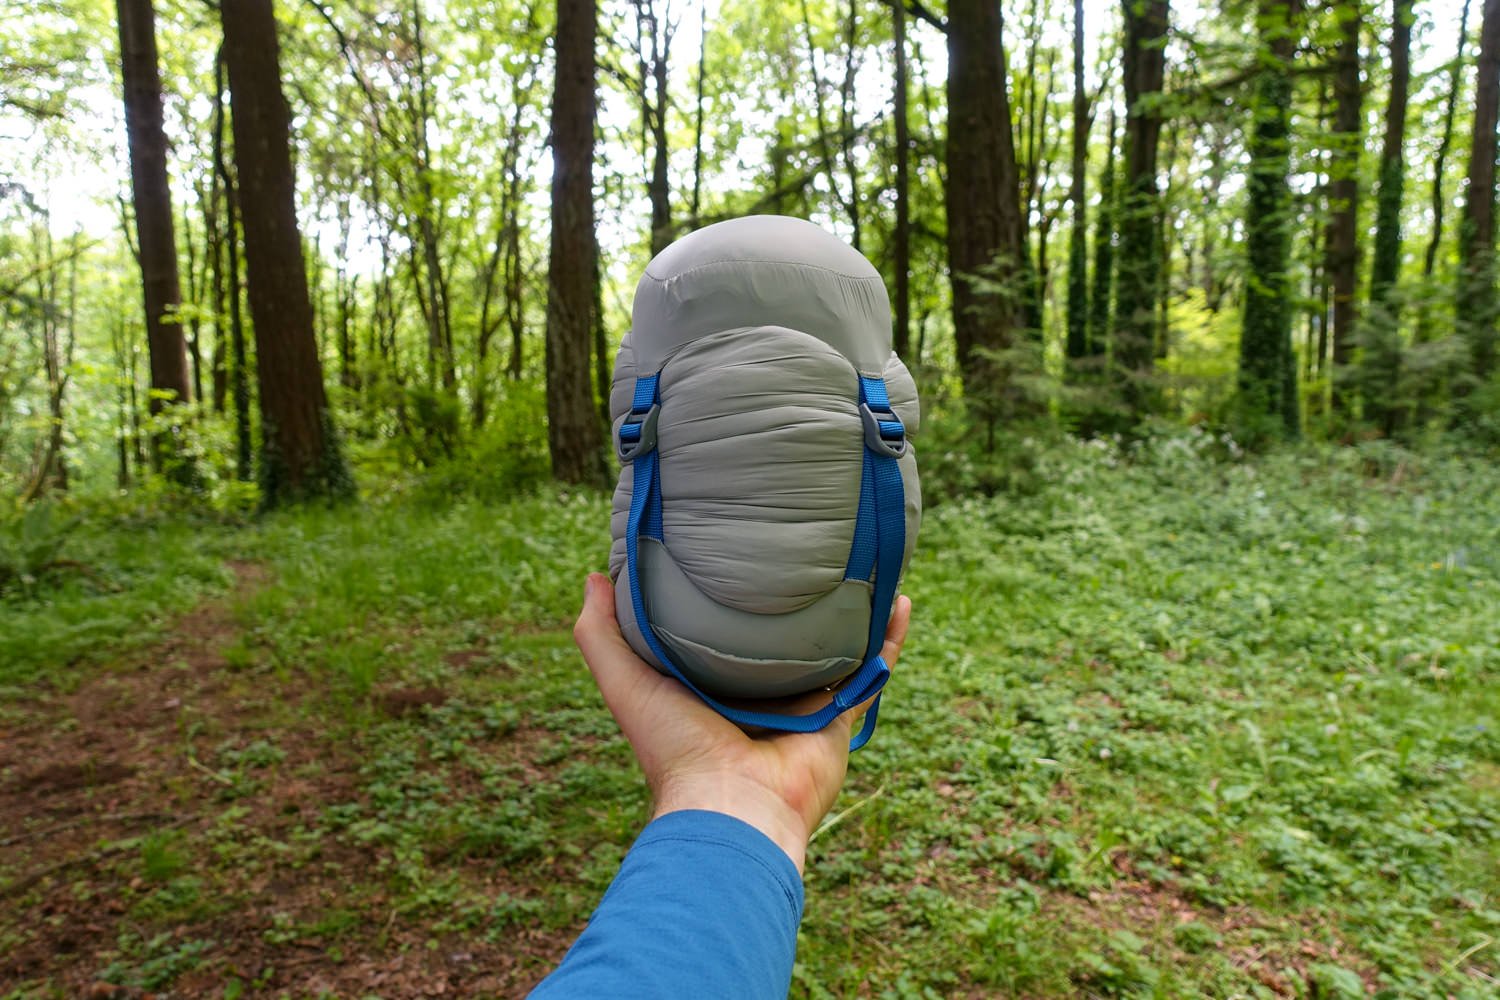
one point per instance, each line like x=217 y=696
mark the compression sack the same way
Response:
x=768 y=495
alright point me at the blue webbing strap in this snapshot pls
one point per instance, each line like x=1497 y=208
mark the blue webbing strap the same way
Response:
x=879 y=545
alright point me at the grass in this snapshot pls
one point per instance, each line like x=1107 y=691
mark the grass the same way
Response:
x=1168 y=726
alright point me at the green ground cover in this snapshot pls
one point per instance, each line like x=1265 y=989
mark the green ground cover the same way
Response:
x=1169 y=725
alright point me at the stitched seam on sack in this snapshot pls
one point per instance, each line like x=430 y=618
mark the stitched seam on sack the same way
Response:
x=761 y=260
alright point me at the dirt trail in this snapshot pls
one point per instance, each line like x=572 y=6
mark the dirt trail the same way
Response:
x=107 y=804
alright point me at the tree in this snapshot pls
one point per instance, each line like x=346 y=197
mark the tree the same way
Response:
x=1387 y=257
x=1455 y=84
x=1078 y=289
x=1476 y=284
x=572 y=423
x=1381 y=361
x=300 y=454
x=654 y=31
x=155 y=241
x=1342 y=254
x=1267 y=373
x=1101 y=294
x=985 y=245
x=1138 y=268
x=901 y=238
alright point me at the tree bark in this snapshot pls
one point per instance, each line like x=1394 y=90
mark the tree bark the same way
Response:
x=572 y=422
x=1476 y=243
x=1342 y=254
x=1267 y=376
x=983 y=203
x=1078 y=282
x=147 y=141
x=239 y=378
x=1139 y=267
x=300 y=457
x=1101 y=295
x=901 y=239
x=1381 y=357
x=1455 y=84
x=1386 y=264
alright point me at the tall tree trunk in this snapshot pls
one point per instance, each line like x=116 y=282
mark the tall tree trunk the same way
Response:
x=213 y=241
x=300 y=455
x=1476 y=239
x=1138 y=280
x=846 y=122
x=697 y=206
x=1101 y=295
x=572 y=422
x=984 y=206
x=1386 y=263
x=902 y=236
x=1267 y=379
x=1078 y=281
x=1381 y=359
x=1342 y=257
x=170 y=381
x=195 y=282
x=1425 y=323
x=239 y=379
x=653 y=50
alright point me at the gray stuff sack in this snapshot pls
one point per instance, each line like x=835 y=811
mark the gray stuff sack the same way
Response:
x=746 y=399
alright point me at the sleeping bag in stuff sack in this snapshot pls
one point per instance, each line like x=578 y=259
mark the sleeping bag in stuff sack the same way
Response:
x=768 y=495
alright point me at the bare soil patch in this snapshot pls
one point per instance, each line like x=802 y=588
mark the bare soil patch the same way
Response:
x=126 y=845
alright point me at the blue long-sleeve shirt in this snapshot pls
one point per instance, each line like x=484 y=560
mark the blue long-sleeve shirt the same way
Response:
x=704 y=906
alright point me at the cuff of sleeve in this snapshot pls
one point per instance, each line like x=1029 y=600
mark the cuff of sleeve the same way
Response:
x=704 y=827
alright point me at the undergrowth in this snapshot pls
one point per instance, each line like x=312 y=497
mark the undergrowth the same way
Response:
x=1170 y=722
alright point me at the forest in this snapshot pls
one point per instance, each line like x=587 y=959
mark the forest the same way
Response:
x=308 y=316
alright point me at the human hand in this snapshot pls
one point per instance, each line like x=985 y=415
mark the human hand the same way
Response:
x=783 y=784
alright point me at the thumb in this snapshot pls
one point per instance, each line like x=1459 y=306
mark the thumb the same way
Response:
x=596 y=629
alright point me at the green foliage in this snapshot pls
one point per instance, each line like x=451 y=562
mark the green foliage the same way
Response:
x=31 y=544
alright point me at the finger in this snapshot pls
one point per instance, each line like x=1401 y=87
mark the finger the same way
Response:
x=616 y=668
x=890 y=652
x=895 y=632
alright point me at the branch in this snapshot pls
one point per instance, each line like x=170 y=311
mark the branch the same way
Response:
x=919 y=11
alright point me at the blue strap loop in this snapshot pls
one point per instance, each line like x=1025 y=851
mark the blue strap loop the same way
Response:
x=878 y=549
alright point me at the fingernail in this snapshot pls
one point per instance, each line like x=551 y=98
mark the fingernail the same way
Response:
x=588 y=588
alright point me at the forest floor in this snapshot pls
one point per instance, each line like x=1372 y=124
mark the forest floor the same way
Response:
x=1172 y=726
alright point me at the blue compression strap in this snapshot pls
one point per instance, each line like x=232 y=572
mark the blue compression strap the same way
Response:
x=879 y=545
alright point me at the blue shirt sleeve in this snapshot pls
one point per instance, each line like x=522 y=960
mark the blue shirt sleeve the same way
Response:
x=704 y=905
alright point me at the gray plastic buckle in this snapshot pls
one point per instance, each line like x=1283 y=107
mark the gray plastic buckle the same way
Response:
x=629 y=451
x=874 y=439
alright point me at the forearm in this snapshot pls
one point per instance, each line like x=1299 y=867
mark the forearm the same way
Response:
x=703 y=905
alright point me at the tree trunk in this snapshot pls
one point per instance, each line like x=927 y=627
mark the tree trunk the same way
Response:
x=1342 y=256
x=1386 y=265
x=985 y=247
x=653 y=40
x=1381 y=358
x=572 y=422
x=1455 y=84
x=1476 y=242
x=697 y=206
x=1439 y=200
x=1078 y=281
x=147 y=141
x=1267 y=379
x=1139 y=267
x=1101 y=296
x=240 y=371
x=902 y=236
x=300 y=455
x=846 y=123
